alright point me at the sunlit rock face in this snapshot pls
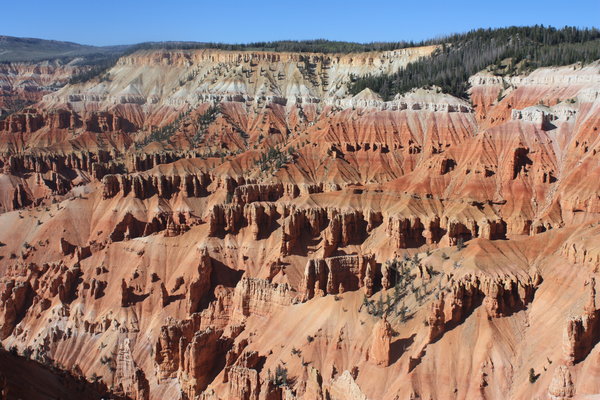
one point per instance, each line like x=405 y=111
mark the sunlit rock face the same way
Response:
x=211 y=224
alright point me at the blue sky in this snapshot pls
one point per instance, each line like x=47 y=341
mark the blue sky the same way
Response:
x=123 y=22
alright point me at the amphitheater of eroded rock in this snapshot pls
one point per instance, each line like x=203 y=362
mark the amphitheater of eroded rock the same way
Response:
x=425 y=247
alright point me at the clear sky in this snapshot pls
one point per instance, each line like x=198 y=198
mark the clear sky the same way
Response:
x=232 y=21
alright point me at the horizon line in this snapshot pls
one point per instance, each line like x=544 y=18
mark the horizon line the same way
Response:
x=433 y=38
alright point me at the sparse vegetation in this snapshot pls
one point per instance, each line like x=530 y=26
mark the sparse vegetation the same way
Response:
x=105 y=360
x=97 y=67
x=402 y=278
x=204 y=121
x=280 y=378
x=164 y=133
x=431 y=271
x=274 y=159
x=13 y=106
x=533 y=377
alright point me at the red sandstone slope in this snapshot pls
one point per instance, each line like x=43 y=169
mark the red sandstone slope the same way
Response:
x=295 y=242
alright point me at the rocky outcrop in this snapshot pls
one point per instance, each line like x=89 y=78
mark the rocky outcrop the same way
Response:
x=582 y=333
x=244 y=383
x=344 y=387
x=31 y=120
x=42 y=163
x=577 y=251
x=67 y=284
x=35 y=177
x=255 y=192
x=313 y=387
x=200 y=283
x=561 y=387
x=436 y=320
x=340 y=227
x=412 y=232
x=260 y=218
x=380 y=351
x=131 y=379
x=345 y=227
x=409 y=232
x=314 y=72
x=172 y=224
x=103 y=121
x=499 y=295
x=243 y=378
x=225 y=218
x=145 y=186
x=339 y=274
x=27 y=82
x=15 y=298
x=199 y=359
x=202 y=251
x=80 y=252
x=21 y=197
x=192 y=354
x=167 y=353
x=139 y=162
x=27 y=121
x=259 y=297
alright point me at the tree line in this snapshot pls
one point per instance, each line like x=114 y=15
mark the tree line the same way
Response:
x=463 y=55
x=458 y=57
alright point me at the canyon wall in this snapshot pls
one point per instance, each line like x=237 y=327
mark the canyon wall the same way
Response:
x=208 y=224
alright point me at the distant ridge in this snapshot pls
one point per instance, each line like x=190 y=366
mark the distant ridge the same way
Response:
x=14 y=49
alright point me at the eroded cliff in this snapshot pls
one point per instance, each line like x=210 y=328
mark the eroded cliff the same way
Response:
x=233 y=225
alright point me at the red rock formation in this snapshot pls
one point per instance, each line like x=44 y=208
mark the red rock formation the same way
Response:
x=407 y=233
x=173 y=225
x=259 y=218
x=221 y=262
x=250 y=193
x=561 y=387
x=225 y=219
x=345 y=227
x=338 y=275
x=199 y=358
x=200 y=283
x=380 y=351
x=243 y=383
x=259 y=297
x=24 y=82
x=131 y=379
x=15 y=298
x=436 y=320
x=582 y=333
